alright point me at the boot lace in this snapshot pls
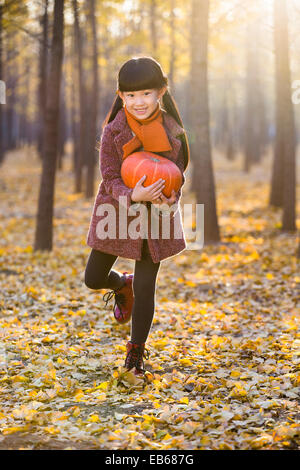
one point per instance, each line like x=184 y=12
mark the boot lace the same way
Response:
x=135 y=357
x=119 y=299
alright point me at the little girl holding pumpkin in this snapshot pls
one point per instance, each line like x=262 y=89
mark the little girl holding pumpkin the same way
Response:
x=136 y=121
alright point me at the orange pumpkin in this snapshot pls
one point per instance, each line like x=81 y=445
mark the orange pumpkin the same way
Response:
x=155 y=167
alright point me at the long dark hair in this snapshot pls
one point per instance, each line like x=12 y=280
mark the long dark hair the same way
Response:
x=141 y=73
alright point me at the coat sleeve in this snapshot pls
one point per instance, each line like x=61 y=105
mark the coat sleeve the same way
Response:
x=180 y=164
x=110 y=168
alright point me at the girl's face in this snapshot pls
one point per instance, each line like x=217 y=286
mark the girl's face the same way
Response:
x=142 y=103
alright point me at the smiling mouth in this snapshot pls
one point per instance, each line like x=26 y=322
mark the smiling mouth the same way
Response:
x=140 y=110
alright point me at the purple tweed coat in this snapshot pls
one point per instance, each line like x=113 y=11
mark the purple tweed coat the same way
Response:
x=115 y=135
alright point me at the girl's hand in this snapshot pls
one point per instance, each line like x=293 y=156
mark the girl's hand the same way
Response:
x=148 y=193
x=162 y=199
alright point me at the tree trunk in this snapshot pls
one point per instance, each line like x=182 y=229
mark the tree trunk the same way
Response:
x=93 y=108
x=227 y=134
x=62 y=130
x=202 y=162
x=43 y=235
x=262 y=122
x=2 y=87
x=78 y=47
x=251 y=86
x=276 y=194
x=74 y=125
x=285 y=161
x=24 y=129
x=43 y=60
x=12 y=76
x=255 y=122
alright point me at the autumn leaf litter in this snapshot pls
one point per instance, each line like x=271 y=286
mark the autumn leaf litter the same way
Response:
x=224 y=346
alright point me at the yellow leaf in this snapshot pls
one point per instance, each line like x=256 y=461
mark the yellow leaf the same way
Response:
x=184 y=400
x=160 y=344
x=76 y=412
x=47 y=339
x=51 y=430
x=157 y=383
x=101 y=397
x=235 y=373
x=226 y=446
x=185 y=361
x=13 y=429
x=19 y=378
x=103 y=386
x=52 y=373
x=238 y=391
x=205 y=440
x=79 y=394
x=94 y=419
x=81 y=312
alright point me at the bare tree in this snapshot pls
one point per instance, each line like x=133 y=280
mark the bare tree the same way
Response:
x=62 y=128
x=74 y=122
x=251 y=88
x=81 y=150
x=1 y=78
x=255 y=119
x=44 y=229
x=283 y=187
x=43 y=60
x=94 y=95
x=203 y=175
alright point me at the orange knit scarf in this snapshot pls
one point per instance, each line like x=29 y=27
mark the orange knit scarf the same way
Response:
x=150 y=133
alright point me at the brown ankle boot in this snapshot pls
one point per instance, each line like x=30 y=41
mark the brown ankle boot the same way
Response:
x=134 y=359
x=123 y=299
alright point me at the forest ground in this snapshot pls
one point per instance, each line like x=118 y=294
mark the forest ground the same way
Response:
x=224 y=345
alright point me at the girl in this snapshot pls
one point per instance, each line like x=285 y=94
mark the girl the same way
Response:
x=136 y=121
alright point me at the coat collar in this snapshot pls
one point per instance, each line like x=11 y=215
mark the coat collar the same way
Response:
x=122 y=131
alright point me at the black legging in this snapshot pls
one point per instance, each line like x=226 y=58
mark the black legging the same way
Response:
x=99 y=275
